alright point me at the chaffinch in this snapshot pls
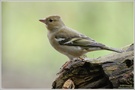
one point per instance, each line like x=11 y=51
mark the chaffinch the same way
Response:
x=70 y=42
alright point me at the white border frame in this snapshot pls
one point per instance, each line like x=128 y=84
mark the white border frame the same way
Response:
x=50 y=1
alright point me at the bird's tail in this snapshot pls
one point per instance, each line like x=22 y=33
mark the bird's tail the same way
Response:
x=112 y=49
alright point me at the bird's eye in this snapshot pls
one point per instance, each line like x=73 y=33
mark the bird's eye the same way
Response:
x=50 y=20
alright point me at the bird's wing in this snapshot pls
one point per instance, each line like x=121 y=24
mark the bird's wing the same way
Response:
x=70 y=37
x=80 y=40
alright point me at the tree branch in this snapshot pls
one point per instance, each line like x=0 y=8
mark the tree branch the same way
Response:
x=111 y=71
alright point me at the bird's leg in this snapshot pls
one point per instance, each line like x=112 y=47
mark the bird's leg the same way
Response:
x=82 y=57
x=63 y=67
x=66 y=63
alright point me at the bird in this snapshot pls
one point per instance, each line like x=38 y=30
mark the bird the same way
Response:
x=70 y=42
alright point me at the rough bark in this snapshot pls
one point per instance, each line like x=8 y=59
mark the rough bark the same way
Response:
x=111 y=71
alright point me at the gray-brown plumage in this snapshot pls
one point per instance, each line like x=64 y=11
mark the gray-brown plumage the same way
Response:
x=70 y=42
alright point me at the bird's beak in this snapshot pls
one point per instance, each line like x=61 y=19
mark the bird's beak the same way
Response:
x=42 y=20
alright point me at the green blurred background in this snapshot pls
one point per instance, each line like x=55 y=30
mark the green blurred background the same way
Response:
x=29 y=61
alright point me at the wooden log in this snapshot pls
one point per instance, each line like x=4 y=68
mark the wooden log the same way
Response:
x=111 y=71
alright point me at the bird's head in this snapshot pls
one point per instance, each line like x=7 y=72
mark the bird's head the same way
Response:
x=53 y=22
